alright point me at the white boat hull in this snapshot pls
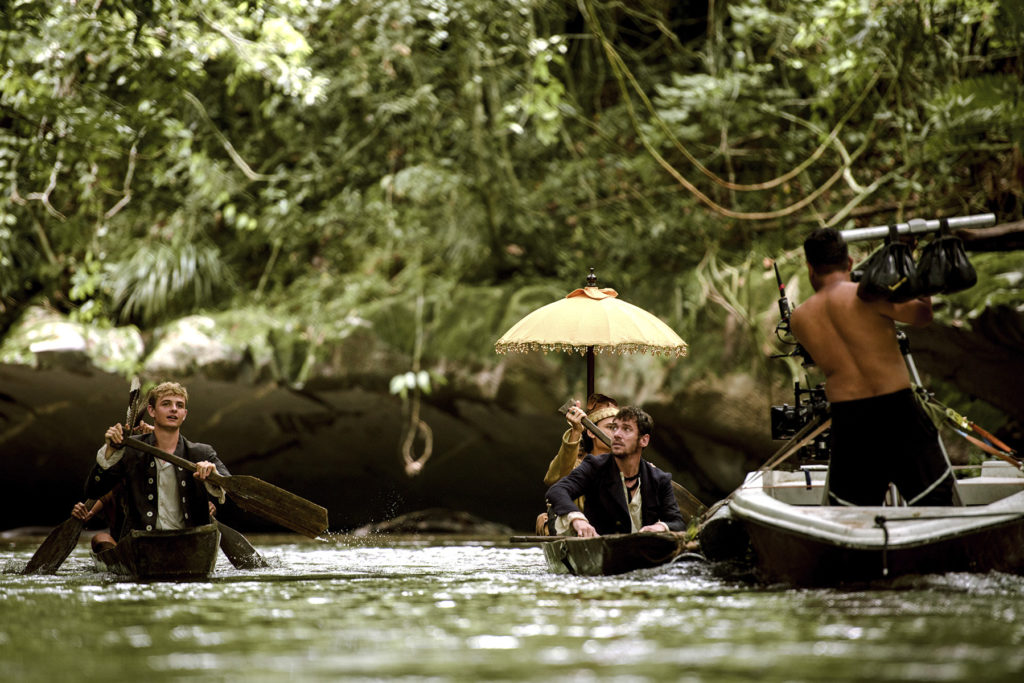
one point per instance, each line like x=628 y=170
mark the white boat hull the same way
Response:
x=797 y=540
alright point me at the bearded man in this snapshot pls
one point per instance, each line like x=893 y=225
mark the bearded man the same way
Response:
x=624 y=493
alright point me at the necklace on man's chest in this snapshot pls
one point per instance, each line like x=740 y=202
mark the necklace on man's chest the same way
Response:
x=631 y=488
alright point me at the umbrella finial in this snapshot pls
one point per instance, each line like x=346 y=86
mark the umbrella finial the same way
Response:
x=592 y=279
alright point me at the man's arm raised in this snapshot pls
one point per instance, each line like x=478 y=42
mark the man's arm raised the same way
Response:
x=916 y=312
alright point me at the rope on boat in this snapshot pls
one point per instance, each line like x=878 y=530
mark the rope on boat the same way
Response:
x=880 y=521
x=973 y=515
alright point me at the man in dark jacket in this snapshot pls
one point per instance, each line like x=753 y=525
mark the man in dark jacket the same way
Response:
x=624 y=492
x=157 y=494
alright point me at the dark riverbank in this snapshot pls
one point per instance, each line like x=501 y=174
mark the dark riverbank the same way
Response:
x=338 y=440
x=339 y=446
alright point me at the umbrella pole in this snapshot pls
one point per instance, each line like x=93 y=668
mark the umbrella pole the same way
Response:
x=590 y=372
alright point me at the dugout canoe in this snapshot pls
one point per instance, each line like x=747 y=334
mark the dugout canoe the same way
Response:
x=612 y=554
x=777 y=523
x=163 y=555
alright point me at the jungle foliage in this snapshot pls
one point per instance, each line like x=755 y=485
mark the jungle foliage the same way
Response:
x=327 y=164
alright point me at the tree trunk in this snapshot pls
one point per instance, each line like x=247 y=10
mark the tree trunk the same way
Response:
x=1005 y=237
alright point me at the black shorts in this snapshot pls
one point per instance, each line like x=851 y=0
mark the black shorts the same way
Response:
x=884 y=439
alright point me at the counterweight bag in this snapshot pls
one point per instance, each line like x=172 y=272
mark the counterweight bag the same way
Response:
x=943 y=267
x=889 y=273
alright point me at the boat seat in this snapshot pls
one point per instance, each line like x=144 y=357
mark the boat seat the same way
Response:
x=805 y=486
x=997 y=480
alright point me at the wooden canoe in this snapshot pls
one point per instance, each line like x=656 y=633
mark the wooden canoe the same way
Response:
x=612 y=554
x=163 y=555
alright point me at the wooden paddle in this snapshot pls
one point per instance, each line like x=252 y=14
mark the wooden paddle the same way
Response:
x=238 y=550
x=689 y=505
x=255 y=495
x=56 y=547
x=63 y=539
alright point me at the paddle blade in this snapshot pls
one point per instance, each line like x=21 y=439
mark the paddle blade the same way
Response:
x=238 y=550
x=55 y=548
x=275 y=504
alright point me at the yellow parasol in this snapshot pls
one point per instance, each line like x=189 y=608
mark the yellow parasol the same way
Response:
x=590 y=320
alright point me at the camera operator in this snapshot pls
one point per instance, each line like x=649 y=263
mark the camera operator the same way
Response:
x=880 y=434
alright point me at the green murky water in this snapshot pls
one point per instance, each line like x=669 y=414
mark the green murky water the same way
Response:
x=431 y=611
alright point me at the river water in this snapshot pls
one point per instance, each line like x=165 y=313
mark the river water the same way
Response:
x=451 y=610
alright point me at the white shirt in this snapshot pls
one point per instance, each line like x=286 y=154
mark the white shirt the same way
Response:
x=169 y=512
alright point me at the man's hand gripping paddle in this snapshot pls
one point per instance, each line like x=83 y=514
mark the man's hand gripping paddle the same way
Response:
x=255 y=495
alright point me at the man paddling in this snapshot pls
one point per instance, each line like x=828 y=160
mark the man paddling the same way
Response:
x=880 y=434
x=157 y=494
x=624 y=492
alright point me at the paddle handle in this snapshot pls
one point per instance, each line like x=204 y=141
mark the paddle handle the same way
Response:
x=214 y=477
x=588 y=423
x=596 y=431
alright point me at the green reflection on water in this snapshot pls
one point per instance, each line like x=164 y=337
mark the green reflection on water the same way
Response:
x=464 y=612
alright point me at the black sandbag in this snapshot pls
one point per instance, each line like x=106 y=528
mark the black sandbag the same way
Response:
x=890 y=273
x=943 y=267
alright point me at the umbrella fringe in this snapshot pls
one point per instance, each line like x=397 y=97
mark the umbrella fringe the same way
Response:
x=619 y=349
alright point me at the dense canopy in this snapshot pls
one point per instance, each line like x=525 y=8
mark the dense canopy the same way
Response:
x=448 y=165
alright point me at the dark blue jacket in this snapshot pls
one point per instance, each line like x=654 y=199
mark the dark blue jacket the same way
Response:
x=597 y=478
x=138 y=472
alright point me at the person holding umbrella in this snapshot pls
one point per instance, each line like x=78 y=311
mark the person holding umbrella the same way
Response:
x=624 y=493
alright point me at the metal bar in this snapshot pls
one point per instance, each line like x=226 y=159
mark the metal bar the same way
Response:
x=917 y=226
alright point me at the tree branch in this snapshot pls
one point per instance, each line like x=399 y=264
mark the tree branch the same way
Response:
x=235 y=156
x=1005 y=237
x=127 y=186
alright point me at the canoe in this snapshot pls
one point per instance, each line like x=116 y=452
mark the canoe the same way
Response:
x=778 y=523
x=163 y=555
x=612 y=554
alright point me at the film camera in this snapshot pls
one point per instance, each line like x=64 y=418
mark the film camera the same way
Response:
x=788 y=420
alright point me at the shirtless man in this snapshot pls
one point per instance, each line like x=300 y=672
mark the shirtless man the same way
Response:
x=880 y=434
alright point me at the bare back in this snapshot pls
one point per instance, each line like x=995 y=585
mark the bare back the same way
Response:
x=853 y=342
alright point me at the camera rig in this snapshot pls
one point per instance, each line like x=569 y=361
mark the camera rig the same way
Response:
x=809 y=404
x=788 y=420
